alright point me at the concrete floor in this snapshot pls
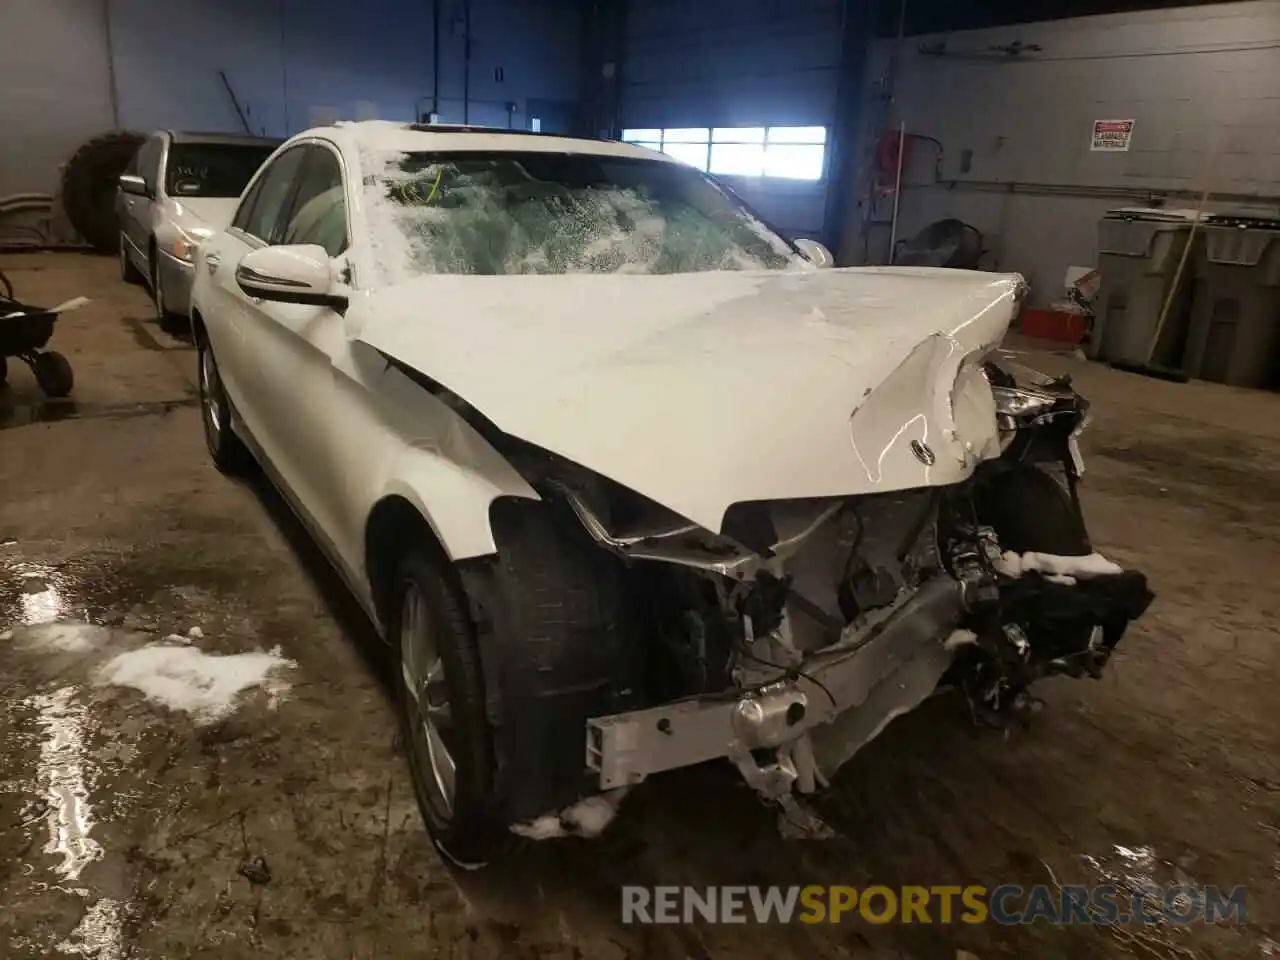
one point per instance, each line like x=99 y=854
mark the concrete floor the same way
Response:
x=124 y=828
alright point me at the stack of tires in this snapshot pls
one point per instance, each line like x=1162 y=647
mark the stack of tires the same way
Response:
x=89 y=182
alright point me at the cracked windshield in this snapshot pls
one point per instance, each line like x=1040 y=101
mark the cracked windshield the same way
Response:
x=512 y=213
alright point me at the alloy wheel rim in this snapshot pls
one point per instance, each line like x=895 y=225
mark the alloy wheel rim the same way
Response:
x=432 y=722
x=209 y=387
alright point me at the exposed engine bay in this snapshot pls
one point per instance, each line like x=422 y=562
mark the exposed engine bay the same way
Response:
x=790 y=639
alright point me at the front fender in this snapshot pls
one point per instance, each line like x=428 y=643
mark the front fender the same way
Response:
x=453 y=500
x=445 y=468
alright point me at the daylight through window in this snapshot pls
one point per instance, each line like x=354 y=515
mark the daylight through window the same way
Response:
x=793 y=153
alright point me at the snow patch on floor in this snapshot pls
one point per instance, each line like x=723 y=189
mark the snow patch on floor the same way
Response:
x=1056 y=568
x=205 y=685
x=63 y=637
x=100 y=933
x=586 y=818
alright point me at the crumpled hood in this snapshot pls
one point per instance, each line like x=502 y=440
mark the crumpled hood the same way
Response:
x=702 y=390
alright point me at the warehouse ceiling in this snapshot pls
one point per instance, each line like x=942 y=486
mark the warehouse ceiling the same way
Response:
x=935 y=16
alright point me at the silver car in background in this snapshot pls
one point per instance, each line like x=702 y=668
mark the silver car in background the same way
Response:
x=177 y=190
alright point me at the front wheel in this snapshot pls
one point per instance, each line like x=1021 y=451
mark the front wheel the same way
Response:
x=1030 y=510
x=440 y=696
x=174 y=324
x=128 y=272
x=228 y=452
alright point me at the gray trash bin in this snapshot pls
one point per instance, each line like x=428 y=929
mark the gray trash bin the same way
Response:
x=1235 y=314
x=1138 y=253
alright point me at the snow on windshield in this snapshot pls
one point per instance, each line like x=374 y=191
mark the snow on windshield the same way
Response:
x=558 y=213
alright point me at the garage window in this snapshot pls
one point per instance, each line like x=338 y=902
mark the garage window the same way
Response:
x=790 y=153
x=644 y=138
x=687 y=144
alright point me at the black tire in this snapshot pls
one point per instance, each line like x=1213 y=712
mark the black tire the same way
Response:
x=227 y=450
x=89 y=182
x=128 y=272
x=4 y=371
x=53 y=373
x=1031 y=510
x=465 y=831
x=174 y=324
x=565 y=645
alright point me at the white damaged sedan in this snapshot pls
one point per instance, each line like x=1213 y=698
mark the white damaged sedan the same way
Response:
x=629 y=482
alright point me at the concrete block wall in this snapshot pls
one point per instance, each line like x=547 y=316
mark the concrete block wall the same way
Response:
x=1201 y=82
x=291 y=63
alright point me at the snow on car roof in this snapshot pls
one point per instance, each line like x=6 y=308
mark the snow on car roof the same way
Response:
x=387 y=136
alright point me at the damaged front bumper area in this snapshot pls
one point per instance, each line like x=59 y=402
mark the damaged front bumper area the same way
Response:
x=862 y=683
x=793 y=733
x=845 y=615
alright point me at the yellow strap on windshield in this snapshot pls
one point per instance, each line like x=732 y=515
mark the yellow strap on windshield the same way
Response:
x=435 y=186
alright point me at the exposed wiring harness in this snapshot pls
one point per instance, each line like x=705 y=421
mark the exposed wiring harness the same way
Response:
x=789 y=673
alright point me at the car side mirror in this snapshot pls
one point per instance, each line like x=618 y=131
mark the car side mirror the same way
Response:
x=133 y=184
x=815 y=253
x=297 y=273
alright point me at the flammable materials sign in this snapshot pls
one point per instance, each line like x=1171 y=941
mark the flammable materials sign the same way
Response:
x=1111 y=134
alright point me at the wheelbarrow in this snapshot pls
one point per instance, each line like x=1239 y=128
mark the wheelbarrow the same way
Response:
x=24 y=331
